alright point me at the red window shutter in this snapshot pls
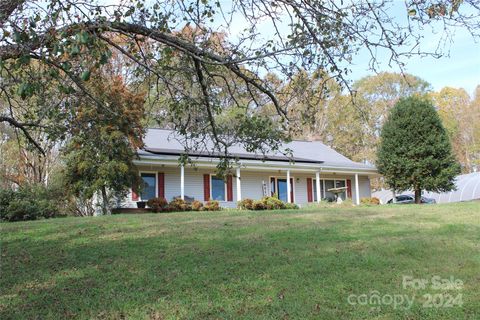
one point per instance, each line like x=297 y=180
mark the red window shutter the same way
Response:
x=206 y=187
x=349 y=188
x=291 y=190
x=309 y=190
x=134 y=193
x=161 y=185
x=229 y=188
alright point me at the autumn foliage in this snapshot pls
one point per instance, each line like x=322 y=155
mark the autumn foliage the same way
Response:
x=104 y=140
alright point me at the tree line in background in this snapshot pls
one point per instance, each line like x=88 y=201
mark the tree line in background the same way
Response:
x=353 y=127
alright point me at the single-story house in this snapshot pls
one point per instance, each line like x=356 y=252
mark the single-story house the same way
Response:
x=311 y=170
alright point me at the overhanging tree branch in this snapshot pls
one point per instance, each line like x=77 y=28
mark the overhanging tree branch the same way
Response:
x=7 y=7
x=23 y=128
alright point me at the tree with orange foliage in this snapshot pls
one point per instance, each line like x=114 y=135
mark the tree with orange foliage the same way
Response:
x=103 y=141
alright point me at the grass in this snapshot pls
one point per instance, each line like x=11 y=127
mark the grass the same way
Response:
x=241 y=265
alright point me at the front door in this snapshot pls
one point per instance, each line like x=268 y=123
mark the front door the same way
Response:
x=279 y=186
x=282 y=189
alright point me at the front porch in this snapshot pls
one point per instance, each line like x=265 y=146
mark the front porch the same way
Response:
x=307 y=184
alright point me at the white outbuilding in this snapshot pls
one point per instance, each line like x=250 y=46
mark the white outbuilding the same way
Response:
x=467 y=188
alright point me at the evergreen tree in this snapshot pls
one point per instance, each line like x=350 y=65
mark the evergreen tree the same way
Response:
x=415 y=151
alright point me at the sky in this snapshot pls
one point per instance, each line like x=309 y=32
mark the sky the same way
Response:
x=459 y=67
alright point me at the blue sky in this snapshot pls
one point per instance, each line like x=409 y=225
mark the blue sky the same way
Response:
x=459 y=67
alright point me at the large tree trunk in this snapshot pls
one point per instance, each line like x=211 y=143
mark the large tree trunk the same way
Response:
x=418 y=196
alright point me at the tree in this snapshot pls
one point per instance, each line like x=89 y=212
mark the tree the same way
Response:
x=69 y=39
x=375 y=97
x=458 y=114
x=103 y=141
x=415 y=151
x=475 y=121
x=21 y=164
x=319 y=109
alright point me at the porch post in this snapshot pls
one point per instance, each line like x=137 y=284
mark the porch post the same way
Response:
x=239 y=186
x=289 y=198
x=357 y=193
x=317 y=183
x=182 y=182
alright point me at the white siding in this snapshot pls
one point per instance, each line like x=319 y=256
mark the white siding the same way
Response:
x=252 y=184
x=363 y=186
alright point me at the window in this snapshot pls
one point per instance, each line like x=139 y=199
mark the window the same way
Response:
x=149 y=186
x=218 y=188
x=341 y=184
x=329 y=184
x=325 y=185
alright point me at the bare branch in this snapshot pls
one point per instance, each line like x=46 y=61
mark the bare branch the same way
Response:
x=22 y=127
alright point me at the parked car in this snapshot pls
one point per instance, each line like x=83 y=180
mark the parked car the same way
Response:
x=410 y=198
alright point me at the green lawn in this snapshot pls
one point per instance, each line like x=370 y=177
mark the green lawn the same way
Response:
x=242 y=265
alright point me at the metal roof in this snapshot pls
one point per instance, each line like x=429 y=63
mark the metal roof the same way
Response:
x=169 y=142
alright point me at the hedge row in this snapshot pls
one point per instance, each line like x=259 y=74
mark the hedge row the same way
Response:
x=28 y=203
x=266 y=203
x=177 y=204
